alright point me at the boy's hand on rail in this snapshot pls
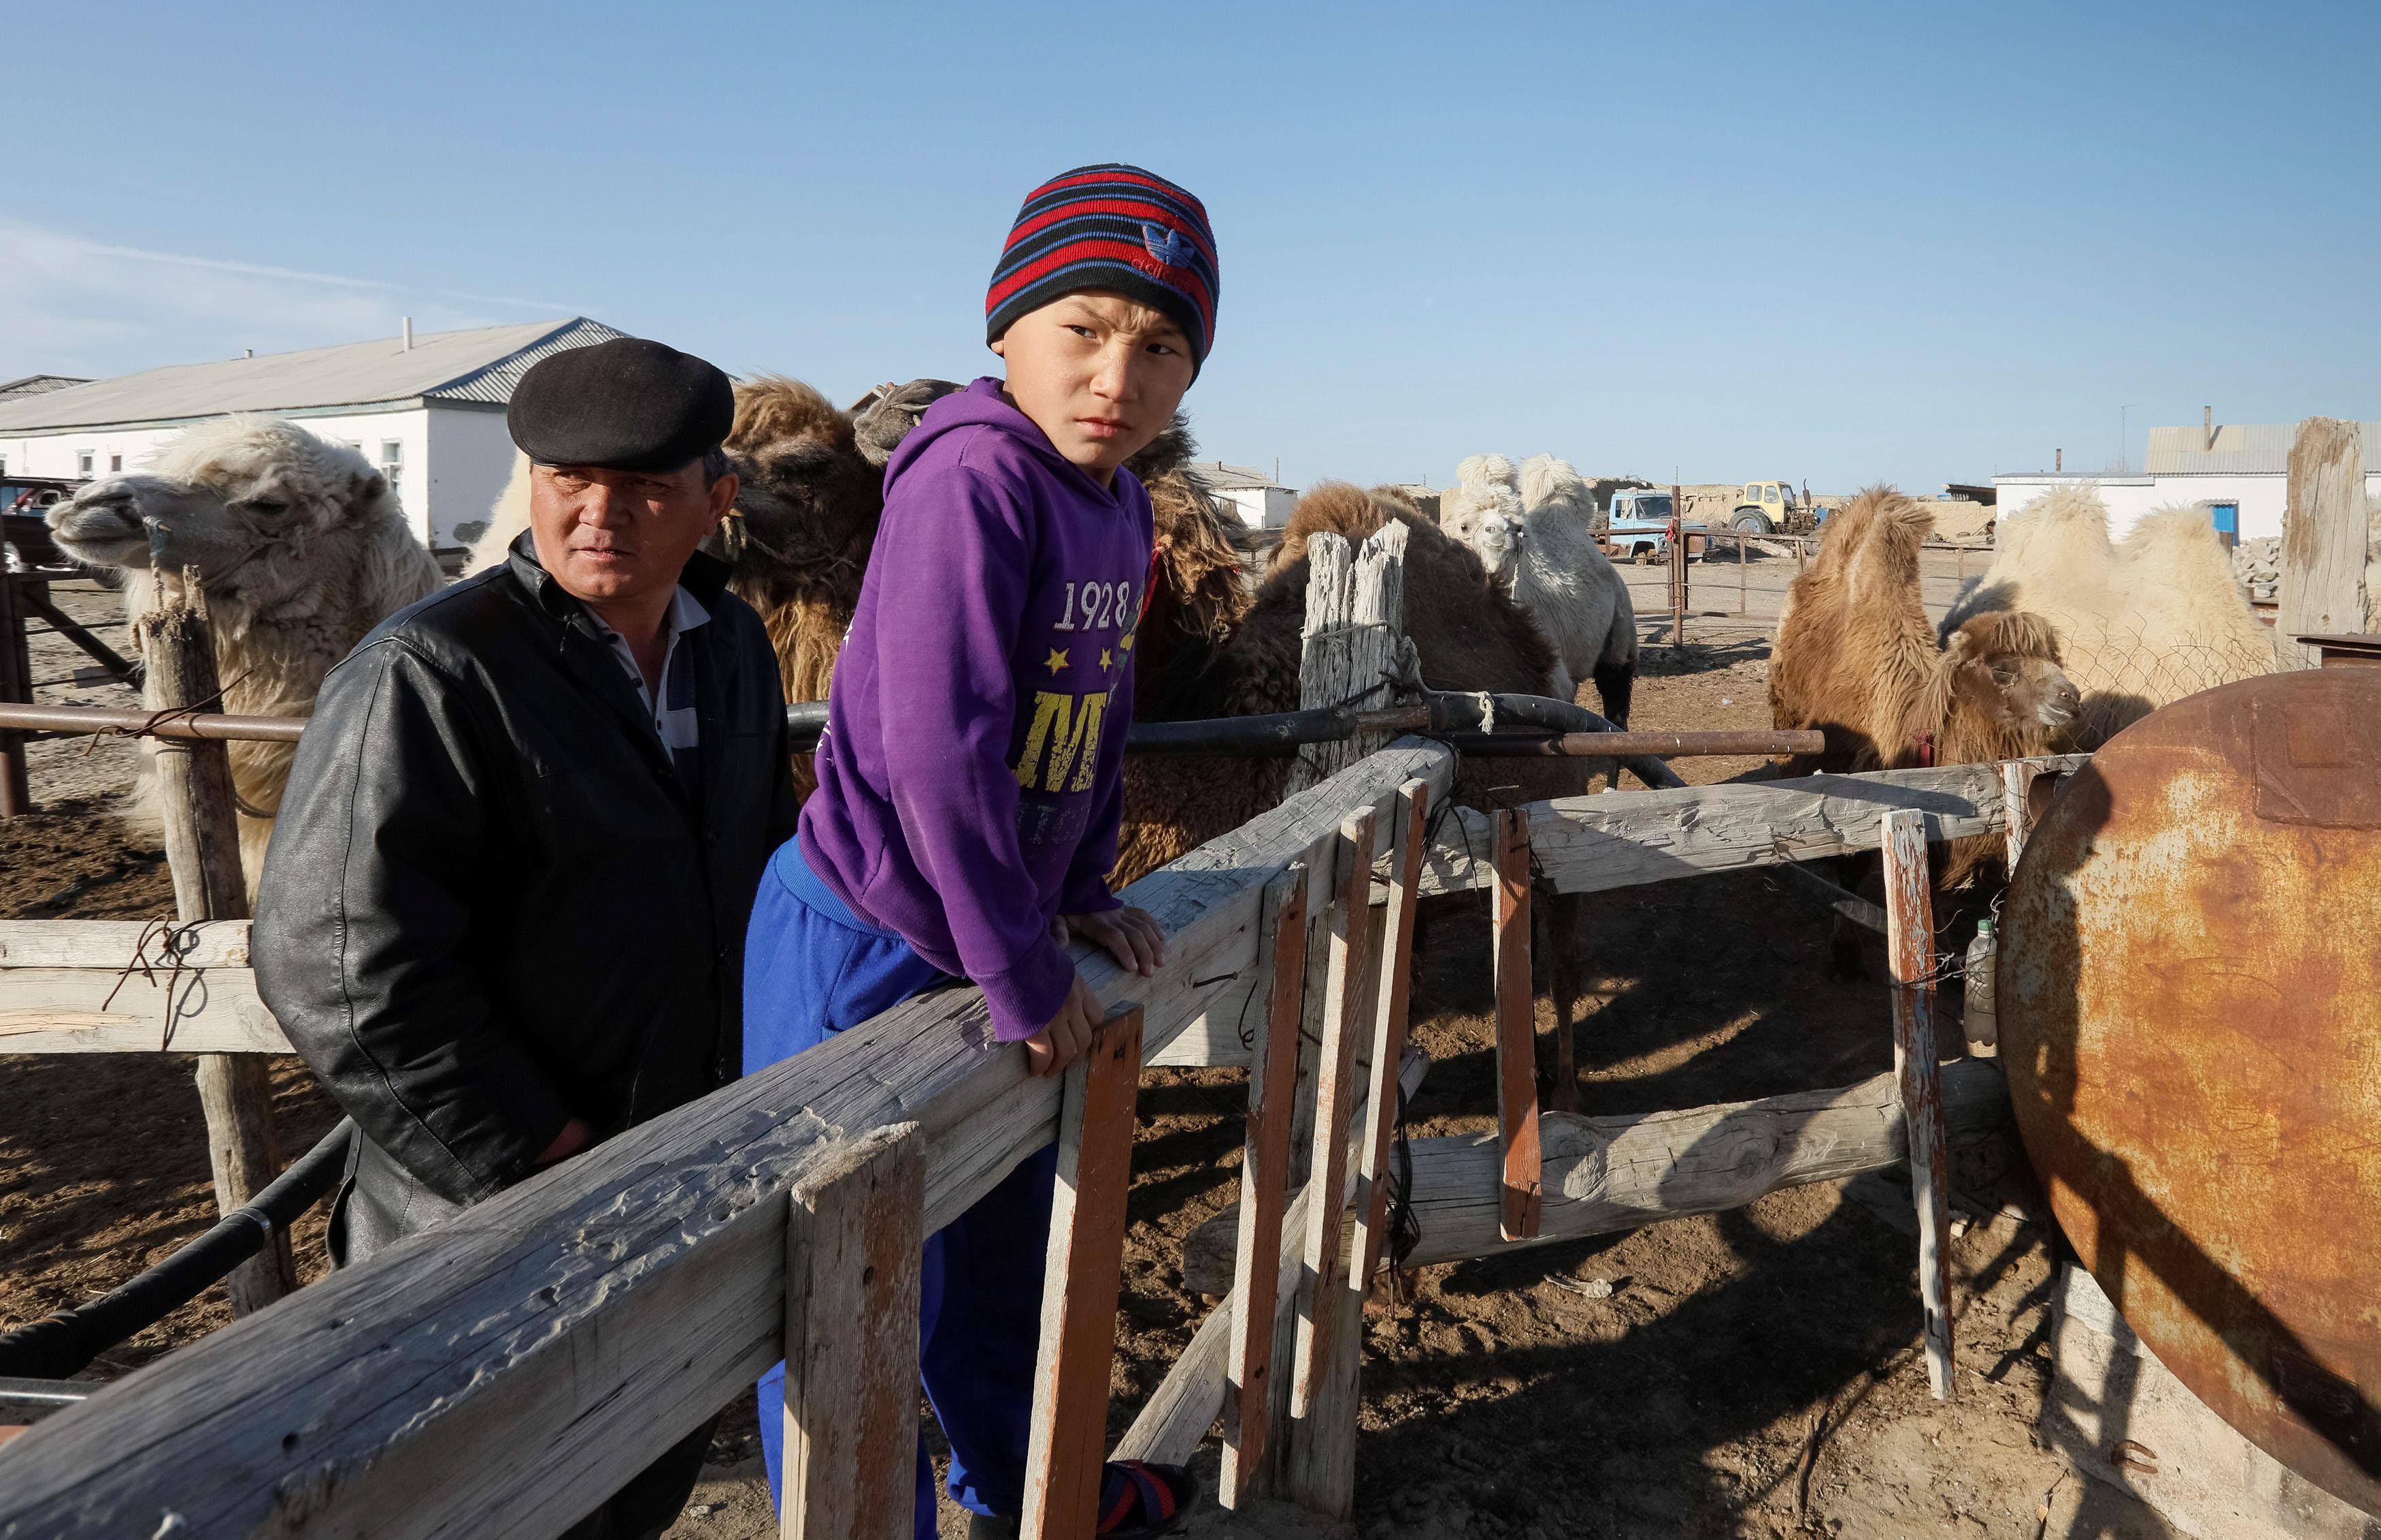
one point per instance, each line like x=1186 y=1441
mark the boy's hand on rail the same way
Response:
x=1130 y=936
x=1049 y=1051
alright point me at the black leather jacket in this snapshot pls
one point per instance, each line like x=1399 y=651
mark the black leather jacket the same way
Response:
x=491 y=903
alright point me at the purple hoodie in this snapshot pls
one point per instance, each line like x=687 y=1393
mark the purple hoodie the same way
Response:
x=971 y=779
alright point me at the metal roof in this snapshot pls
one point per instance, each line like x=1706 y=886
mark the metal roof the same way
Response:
x=2258 y=449
x=481 y=364
x=1218 y=477
x=37 y=384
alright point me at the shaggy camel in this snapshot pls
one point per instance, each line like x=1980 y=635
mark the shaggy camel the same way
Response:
x=1856 y=659
x=2141 y=623
x=1537 y=547
x=301 y=548
x=1467 y=635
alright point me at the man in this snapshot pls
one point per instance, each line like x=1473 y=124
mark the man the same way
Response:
x=504 y=910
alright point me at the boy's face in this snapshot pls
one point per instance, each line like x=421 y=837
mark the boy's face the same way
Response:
x=1099 y=373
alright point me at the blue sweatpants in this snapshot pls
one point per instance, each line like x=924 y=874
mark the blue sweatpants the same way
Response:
x=812 y=967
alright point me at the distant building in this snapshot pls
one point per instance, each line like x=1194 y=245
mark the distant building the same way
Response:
x=36 y=384
x=428 y=410
x=2240 y=471
x=1259 y=503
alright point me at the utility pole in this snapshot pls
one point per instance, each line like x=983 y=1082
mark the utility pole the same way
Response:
x=2124 y=438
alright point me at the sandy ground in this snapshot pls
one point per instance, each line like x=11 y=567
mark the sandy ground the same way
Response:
x=1751 y=1374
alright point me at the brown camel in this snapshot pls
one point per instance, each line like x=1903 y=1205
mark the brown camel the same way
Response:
x=1857 y=658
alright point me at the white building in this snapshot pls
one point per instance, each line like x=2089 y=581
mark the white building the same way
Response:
x=2240 y=471
x=1252 y=494
x=428 y=410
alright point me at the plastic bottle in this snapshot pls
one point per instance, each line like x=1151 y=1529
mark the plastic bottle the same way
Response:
x=1977 y=1021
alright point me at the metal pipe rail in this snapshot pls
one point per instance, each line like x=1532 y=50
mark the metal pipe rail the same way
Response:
x=1625 y=744
x=65 y=1342
x=1454 y=715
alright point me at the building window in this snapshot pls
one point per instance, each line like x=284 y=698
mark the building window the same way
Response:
x=82 y=462
x=115 y=463
x=392 y=464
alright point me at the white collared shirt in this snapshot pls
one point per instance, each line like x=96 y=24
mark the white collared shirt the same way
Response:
x=673 y=709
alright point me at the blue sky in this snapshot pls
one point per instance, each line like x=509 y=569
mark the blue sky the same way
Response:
x=1836 y=244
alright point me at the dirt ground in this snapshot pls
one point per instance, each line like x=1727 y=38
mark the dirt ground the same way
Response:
x=1750 y=1374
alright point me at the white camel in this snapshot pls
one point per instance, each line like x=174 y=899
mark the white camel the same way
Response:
x=1531 y=531
x=2142 y=622
x=301 y=548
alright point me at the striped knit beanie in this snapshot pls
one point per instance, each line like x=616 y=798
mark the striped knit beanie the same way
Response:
x=1115 y=227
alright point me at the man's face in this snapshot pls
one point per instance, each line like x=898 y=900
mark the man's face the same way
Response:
x=1097 y=373
x=612 y=537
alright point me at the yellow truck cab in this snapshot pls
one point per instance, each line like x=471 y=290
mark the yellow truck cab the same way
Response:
x=1764 y=507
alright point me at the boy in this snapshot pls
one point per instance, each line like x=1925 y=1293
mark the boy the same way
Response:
x=969 y=782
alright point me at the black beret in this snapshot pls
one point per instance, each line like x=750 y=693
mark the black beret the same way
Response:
x=623 y=405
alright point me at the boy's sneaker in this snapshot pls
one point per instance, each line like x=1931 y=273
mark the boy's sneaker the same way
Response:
x=1138 y=1501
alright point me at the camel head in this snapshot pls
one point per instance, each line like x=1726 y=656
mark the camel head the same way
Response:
x=1488 y=518
x=237 y=499
x=2008 y=691
x=807 y=509
x=883 y=418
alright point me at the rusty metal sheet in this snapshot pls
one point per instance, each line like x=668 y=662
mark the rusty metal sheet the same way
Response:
x=2189 y=999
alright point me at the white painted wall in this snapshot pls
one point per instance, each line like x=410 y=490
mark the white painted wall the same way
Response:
x=1259 y=508
x=2263 y=497
x=128 y=449
x=470 y=459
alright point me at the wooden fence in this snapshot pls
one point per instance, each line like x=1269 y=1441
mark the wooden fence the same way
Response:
x=489 y=1376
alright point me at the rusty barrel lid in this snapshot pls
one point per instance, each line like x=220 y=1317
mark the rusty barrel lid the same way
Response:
x=2190 y=997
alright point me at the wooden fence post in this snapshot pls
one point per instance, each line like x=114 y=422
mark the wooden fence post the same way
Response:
x=202 y=819
x=1373 y=1177
x=853 y=1259
x=1064 y=1458
x=1354 y=645
x=1312 y=1479
x=1265 y=1192
x=1333 y=1385
x=1910 y=943
x=2324 y=538
x=1516 y=1028
x=2017 y=807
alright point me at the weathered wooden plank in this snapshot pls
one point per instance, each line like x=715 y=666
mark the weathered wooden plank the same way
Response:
x=1910 y=948
x=69 y=1010
x=111 y=944
x=1606 y=1174
x=201 y=816
x=2324 y=539
x=1351 y=643
x=1178 y=1414
x=1624 y=838
x=2017 y=807
x=1320 y=1294
x=1228 y=996
x=603 y=1308
x=853 y=1260
x=1517 y=1026
x=1328 y=1428
x=1069 y=1435
x=1264 y=1191
x=1394 y=997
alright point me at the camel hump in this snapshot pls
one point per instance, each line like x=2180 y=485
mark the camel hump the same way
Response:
x=1546 y=480
x=769 y=407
